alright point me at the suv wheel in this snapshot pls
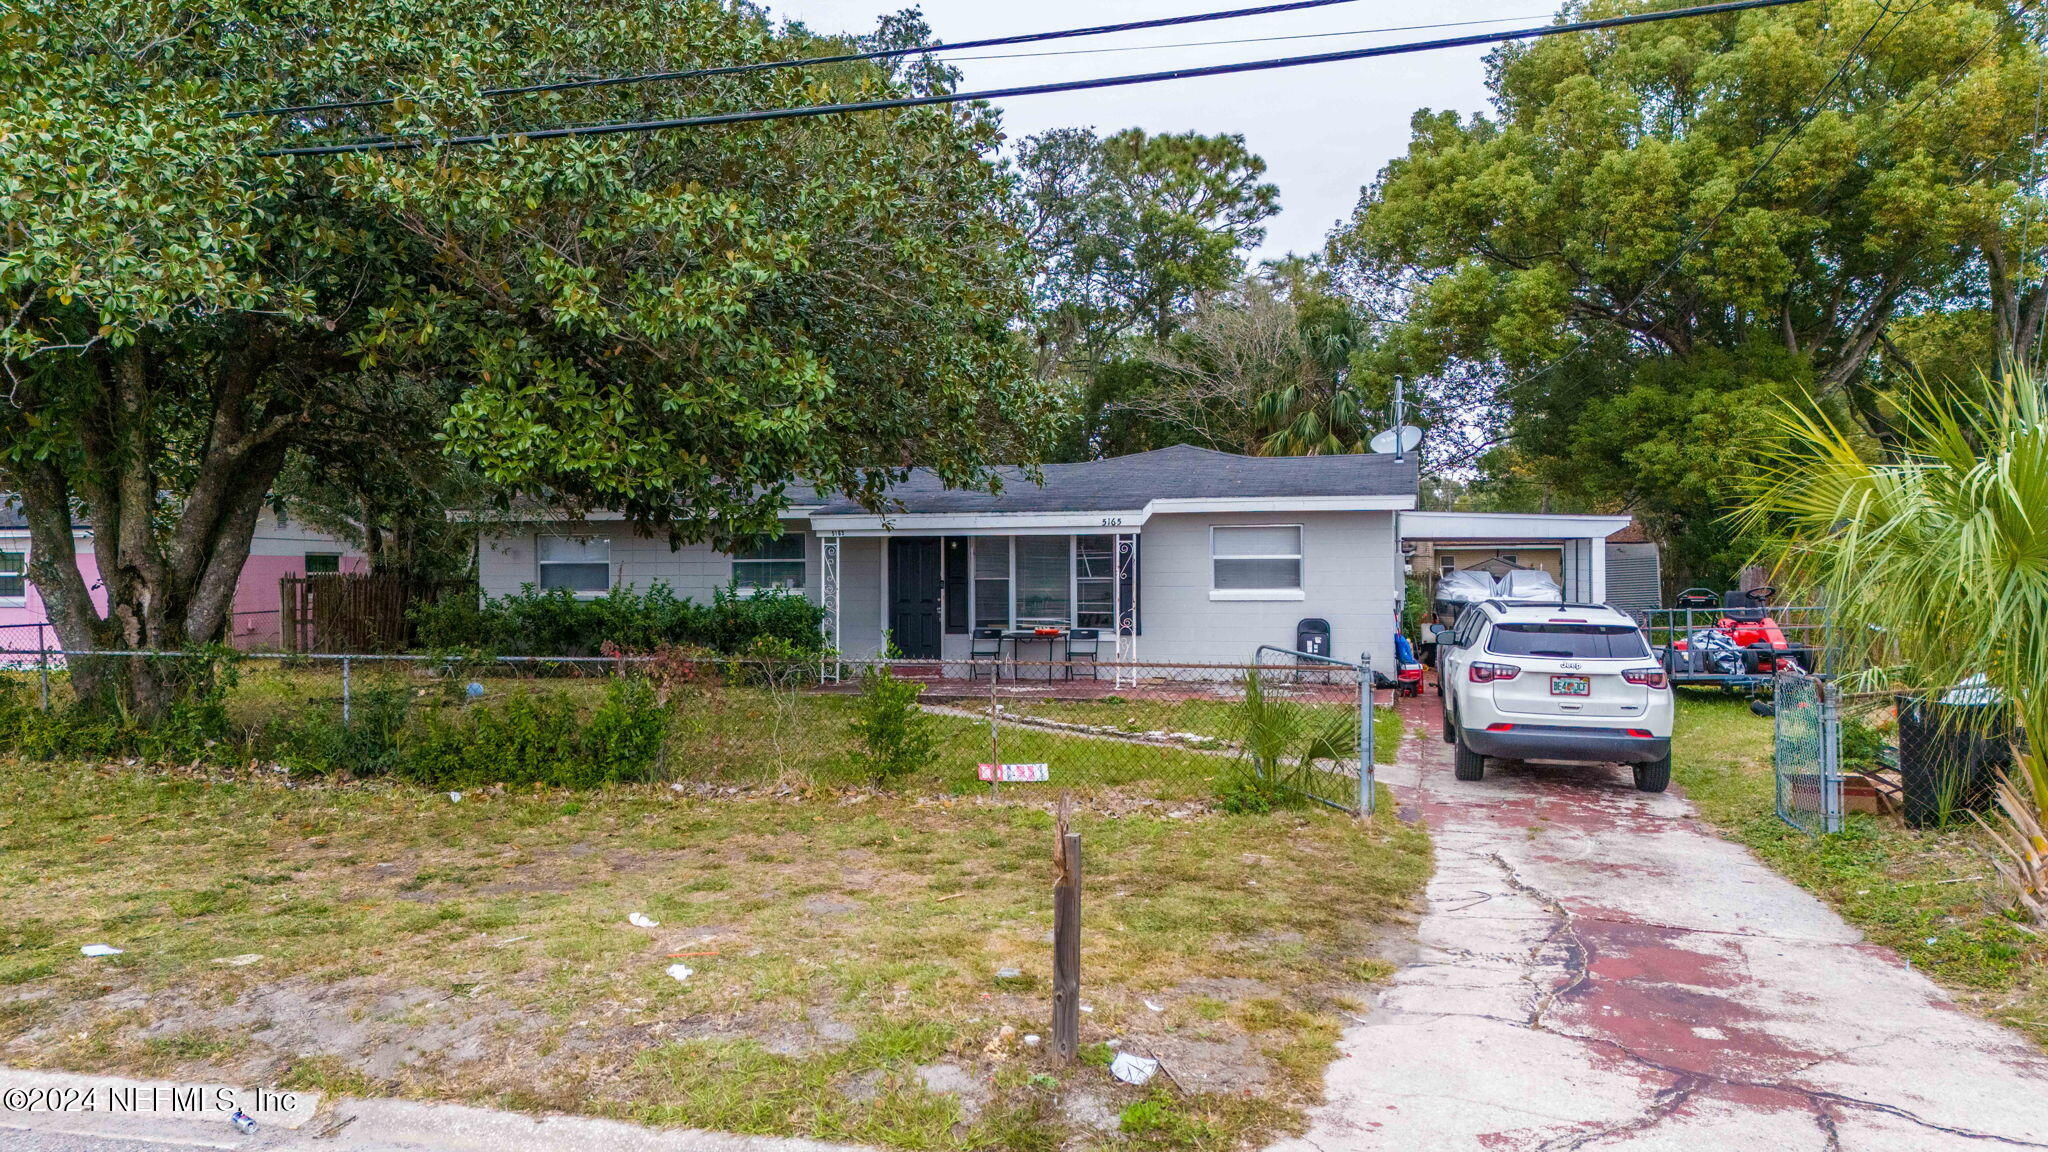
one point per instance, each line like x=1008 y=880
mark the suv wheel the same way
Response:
x=1654 y=776
x=1467 y=764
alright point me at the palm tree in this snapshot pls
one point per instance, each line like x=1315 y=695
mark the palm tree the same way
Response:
x=1934 y=557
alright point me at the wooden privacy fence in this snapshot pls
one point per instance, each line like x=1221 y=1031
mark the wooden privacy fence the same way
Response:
x=356 y=611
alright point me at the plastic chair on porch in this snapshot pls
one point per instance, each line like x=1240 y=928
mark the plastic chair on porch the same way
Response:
x=1084 y=644
x=985 y=643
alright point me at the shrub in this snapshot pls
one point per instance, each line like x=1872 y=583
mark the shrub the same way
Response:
x=896 y=736
x=538 y=738
x=317 y=741
x=558 y=623
x=194 y=727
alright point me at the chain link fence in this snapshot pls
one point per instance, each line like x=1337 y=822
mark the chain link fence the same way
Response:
x=1164 y=732
x=1807 y=752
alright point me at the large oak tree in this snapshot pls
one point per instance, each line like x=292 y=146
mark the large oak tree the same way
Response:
x=672 y=324
x=1709 y=213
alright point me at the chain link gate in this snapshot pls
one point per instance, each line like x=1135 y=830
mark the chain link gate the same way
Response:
x=1345 y=786
x=1807 y=752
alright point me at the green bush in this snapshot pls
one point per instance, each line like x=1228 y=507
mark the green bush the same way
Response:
x=196 y=727
x=537 y=738
x=317 y=742
x=558 y=623
x=896 y=736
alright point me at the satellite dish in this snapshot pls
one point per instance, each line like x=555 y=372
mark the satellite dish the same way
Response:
x=1402 y=439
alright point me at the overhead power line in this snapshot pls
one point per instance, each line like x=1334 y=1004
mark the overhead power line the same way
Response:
x=813 y=110
x=1252 y=39
x=843 y=58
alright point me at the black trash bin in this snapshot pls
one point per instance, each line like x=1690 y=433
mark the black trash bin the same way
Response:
x=1951 y=750
x=1312 y=636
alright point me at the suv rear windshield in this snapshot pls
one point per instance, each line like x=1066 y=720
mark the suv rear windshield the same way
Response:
x=1568 y=641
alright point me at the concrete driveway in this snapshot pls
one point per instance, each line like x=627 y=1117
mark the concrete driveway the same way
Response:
x=1597 y=969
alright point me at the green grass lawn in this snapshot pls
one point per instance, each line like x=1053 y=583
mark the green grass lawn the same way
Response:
x=1929 y=894
x=1211 y=720
x=846 y=946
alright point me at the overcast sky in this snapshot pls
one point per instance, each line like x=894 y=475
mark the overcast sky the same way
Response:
x=1324 y=129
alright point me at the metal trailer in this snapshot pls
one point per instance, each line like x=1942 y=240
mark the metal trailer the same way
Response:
x=1805 y=628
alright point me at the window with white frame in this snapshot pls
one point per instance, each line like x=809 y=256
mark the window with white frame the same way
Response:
x=578 y=564
x=776 y=564
x=991 y=581
x=1248 y=562
x=13 y=576
x=1045 y=587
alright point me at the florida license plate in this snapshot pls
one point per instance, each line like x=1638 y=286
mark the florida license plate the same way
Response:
x=1570 y=686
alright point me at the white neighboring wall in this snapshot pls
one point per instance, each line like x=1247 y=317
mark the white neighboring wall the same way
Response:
x=508 y=559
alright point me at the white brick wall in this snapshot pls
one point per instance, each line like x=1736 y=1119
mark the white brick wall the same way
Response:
x=1350 y=577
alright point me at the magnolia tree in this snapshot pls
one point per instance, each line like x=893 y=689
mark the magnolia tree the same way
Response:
x=670 y=324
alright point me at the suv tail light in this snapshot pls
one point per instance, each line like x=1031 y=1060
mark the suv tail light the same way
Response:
x=1647 y=677
x=1482 y=672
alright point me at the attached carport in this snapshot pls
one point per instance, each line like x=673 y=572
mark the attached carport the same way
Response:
x=1577 y=542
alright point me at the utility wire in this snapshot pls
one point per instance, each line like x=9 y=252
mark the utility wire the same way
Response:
x=811 y=110
x=1251 y=39
x=843 y=58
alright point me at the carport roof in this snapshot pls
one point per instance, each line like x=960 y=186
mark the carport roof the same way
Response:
x=1121 y=483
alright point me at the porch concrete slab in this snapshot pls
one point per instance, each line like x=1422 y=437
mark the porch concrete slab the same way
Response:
x=1598 y=969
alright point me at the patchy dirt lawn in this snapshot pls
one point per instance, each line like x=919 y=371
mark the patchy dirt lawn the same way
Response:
x=845 y=951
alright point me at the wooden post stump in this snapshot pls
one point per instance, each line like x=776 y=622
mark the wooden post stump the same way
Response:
x=1066 y=940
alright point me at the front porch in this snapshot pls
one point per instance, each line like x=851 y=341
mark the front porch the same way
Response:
x=1028 y=597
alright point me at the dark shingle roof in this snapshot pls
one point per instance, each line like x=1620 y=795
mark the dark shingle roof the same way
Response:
x=1182 y=472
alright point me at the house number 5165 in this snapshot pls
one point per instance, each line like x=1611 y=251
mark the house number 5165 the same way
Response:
x=1112 y=521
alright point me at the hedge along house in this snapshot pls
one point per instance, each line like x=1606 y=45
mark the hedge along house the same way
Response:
x=1180 y=555
x=279 y=548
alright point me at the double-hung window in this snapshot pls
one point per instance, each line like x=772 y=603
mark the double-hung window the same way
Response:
x=579 y=564
x=13 y=576
x=1045 y=587
x=1260 y=562
x=776 y=564
x=992 y=581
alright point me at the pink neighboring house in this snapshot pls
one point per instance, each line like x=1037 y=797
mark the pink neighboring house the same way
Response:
x=280 y=548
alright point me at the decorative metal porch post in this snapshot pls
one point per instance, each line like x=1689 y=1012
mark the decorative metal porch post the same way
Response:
x=828 y=595
x=1124 y=610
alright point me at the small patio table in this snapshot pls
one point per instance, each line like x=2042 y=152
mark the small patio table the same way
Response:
x=1057 y=640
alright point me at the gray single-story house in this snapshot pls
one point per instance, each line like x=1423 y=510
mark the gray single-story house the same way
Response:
x=1180 y=555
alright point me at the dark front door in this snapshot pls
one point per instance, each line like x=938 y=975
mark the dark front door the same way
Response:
x=914 y=581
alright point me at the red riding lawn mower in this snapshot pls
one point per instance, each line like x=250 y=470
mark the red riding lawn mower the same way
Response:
x=1743 y=647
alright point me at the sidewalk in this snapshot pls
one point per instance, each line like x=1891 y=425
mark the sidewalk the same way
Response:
x=1597 y=969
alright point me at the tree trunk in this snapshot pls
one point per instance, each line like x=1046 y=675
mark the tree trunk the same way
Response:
x=168 y=565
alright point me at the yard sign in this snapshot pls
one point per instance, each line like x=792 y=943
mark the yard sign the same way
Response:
x=1015 y=773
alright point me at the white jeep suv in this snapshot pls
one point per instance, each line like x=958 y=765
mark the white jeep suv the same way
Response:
x=1554 y=682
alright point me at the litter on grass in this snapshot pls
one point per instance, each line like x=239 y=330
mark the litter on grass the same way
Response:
x=100 y=950
x=455 y=797
x=1133 y=1069
x=1154 y=1006
x=681 y=972
x=642 y=920
x=242 y=961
